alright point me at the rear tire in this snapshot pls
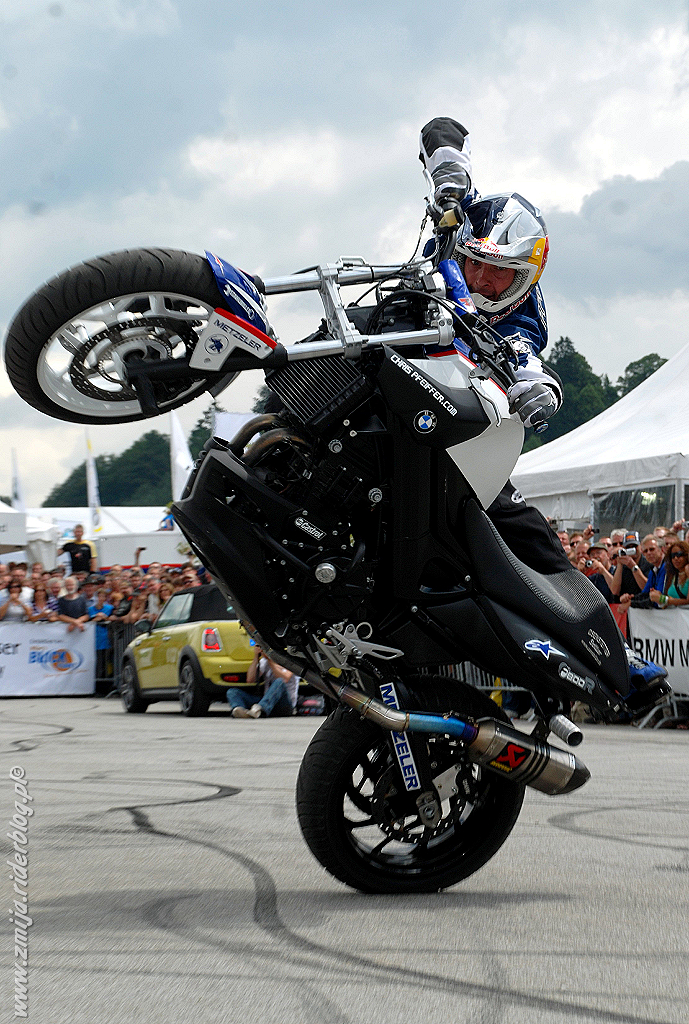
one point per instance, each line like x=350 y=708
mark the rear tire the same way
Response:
x=130 y=692
x=359 y=829
x=193 y=701
x=66 y=346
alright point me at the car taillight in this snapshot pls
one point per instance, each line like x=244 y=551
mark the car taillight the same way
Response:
x=230 y=677
x=210 y=641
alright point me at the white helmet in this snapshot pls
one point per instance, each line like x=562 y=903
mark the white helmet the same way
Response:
x=506 y=231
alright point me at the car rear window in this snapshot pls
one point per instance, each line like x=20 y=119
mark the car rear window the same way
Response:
x=176 y=610
x=210 y=604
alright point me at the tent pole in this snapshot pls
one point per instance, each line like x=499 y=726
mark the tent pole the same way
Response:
x=679 y=500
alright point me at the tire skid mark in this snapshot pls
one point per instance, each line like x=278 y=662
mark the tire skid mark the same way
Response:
x=267 y=917
x=317 y=1007
x=567 y=822
x=31 y=742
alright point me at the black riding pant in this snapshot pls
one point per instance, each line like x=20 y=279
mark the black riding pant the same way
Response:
x=526 y=532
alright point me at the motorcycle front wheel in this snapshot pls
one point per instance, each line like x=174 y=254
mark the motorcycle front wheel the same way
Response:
x=68 y=346
x=366 y=833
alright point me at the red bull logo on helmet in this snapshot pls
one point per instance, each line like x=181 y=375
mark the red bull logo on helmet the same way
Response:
x=484 y=247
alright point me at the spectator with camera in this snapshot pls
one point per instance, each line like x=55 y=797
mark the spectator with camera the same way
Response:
x=628 y=577
x=681 y=524
x=13 y=608
x=597 y=568
x=653 y=552
x=272 y=690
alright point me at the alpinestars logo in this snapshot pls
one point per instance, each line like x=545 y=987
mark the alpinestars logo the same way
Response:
x=543 y=647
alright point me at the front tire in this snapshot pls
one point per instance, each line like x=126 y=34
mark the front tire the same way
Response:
x=359 y=829
x=67 y=347
x=193 y=701
x=132 y=701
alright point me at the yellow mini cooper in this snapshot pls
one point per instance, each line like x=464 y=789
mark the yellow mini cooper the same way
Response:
x=194 y=652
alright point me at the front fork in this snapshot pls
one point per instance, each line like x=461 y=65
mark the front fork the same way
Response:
x=415 y=771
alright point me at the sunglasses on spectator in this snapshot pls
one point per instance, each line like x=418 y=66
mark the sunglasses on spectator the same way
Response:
x=679 y=554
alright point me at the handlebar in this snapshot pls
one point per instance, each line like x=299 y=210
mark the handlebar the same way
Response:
x=311 y=280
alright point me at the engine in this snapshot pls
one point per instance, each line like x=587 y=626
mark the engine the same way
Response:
x=292 y=524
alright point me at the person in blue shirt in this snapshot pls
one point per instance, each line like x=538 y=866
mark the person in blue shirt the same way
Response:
x=100 y=610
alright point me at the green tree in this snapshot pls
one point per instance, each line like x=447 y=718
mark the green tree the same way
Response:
x=203 y=429
x=139 y=476
x=638 y=371
x=585 y=394
x=265 y=401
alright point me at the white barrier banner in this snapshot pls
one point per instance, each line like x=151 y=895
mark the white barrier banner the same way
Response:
x=663 y=637
x=43 y=659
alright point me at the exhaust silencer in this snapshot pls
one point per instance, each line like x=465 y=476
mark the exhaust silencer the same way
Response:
x=532 y=762
x=495 y=745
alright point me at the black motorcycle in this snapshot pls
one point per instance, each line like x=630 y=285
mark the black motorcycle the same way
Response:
x=347 y=526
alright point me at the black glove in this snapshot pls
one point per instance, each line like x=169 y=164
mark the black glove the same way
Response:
x=445 y=210
x=534 y=401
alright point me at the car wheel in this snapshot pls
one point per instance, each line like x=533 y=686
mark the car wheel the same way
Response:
x=130 y=693
x=192 y=699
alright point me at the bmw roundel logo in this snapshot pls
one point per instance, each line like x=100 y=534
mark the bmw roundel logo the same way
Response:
x=425 y=421
x=216 y=343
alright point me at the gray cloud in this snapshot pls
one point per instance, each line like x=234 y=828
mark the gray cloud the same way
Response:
x=628 y=238
x=101 y=98
x=102 y=101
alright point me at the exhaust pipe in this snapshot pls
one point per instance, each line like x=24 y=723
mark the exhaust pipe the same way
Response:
x=495 y=745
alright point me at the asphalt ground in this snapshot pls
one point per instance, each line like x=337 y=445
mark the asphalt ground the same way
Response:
x=168 y=882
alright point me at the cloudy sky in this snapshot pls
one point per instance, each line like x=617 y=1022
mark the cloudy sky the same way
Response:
x=285 y=135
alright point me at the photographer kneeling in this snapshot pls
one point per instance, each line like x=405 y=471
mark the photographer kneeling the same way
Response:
x=279 y=688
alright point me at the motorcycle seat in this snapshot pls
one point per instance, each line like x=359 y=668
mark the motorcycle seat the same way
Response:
x=565 y=604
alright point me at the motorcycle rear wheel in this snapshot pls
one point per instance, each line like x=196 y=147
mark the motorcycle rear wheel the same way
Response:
x=348 y=820
x=67 y=346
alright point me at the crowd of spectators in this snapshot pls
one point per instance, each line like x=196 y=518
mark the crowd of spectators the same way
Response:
x=114 y=597
x=651 y=572
x=131 y=594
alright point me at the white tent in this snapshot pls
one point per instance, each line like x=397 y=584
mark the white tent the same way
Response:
x=638 y=448
x=42 y=541
x=12 y=529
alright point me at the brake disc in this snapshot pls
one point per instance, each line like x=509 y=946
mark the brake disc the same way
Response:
x=110 y=361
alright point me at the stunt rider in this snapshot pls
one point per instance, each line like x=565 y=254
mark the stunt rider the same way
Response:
x=502 y=250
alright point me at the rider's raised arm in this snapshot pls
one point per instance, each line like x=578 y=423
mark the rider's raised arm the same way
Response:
x=445 y=152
